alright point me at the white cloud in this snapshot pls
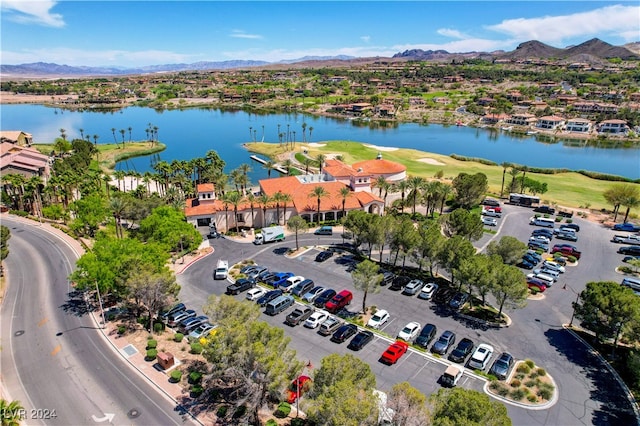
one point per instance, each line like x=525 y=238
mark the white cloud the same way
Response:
x=366 y=38
x=114 y=58
x=242 y=34
x=32 y=12
x=448 y=32
x=616 y=20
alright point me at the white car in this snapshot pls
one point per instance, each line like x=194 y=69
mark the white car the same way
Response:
x=491 y=213
x=410 y=331
x=378 y=319
x=549 y=264
x=481 y=357
x=316 y=319
x=541 y=238
x=489 y=221
x=553 y=273
x=290 y=283
x=428 y=291
x=256 y=293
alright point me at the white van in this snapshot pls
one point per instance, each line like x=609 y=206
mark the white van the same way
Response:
x=542 y=221
x=222 y=270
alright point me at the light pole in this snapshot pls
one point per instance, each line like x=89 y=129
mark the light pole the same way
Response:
x=565 y=287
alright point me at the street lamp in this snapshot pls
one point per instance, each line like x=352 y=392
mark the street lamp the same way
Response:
x=565 y=287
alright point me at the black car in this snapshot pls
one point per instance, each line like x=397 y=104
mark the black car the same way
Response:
x=573 y=226
x=344 y=332
x=243 y=284
x=568 y=236
x=458 y=300
x=399 y=282
x=265 y=277
x=444 y=342
x=179 y=307
x=426 y=335
x=324 y=255
x=269 y=296
x=462 y=351
x=443 y=296
x=545 y=210
x=533 y=244
x=543 y=231
x=387 y=277
x=360 y=340
x=502 y=366
x=630 y=250
x=324 y=297
x=526 y=264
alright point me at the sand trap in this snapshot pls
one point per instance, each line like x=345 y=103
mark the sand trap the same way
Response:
x=381 y=148
x=316 y=144
x=431 y=161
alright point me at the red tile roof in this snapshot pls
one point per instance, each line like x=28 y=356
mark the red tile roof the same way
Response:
x=205 y=187
x=379 y=167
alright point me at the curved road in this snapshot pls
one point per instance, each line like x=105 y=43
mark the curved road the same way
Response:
x=53 y=358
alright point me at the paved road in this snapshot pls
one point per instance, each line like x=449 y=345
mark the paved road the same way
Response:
x=588 y=393
x=53 y=358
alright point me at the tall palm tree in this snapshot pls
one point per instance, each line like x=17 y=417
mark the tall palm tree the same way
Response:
x=285 y=198
x=344 y=192
x=234 y=198
x=445 y=191
x=402 y=187
x=251 y=199
x=63 y=134
x=513 y=172
x=320 y=159
x=304 y=130
x=118 y=205
x=415 y=184
x=113 y=132
x=505 y=166
x=269 y=165
x=307 y=162
x=287 y=164
x=318 y=192
x=251 y=133
x=119 y=175
x=95 y=139
x=632 y=200
x=379 y=183
x=244 y=168
x=122 y=132
x=264 y=200
x=524 y=169
x=130 y=129
x=277 y=198
x=81 y=130
x=310 y=131
x=234 y=177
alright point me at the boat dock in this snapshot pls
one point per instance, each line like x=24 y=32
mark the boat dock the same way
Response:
x=277 y=167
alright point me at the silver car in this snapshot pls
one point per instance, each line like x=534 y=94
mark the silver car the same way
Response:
x=413 y=287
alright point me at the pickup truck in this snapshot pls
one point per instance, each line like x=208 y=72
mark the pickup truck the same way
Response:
x=299 y=314
x=627 y=239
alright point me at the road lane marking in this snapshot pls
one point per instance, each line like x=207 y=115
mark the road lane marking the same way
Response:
x=56 y=350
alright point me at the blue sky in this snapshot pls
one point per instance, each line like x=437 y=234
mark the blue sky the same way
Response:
x=138 y=33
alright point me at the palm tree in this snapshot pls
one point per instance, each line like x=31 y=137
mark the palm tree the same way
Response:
x=320 y=159
x=277 y=198
x=285 y=198
x=269 y=165
x=505 y=166
x=524 y=169
x=234 y=198
x=304 y=130
x=287 y=164
x=95 y=139
x=234 y=177
x=264 y=200
x=631 y=200
x=445 y=191
x=310 y=130
x=118 y=205
x=113 y=132
x=344 y=193
x=81 y=130
x=279 y=135
x=251 y=133
x=402 y=187
x=415 y=184
x=119 y=175
x=307 y=162
x=244 y=168
x=251 y=199
x=63 y=134
x=122 y=132
x=379 y=183
x=513 y=172
x=130 y=129
x=318 y=192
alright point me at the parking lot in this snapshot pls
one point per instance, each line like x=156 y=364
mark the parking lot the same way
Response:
x=534 y=333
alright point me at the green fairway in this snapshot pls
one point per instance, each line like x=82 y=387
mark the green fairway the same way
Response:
x=566 y=189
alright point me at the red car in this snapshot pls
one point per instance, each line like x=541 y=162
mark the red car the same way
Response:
x=339 y=301
x=537 y=284
x=567 y=250
x=394 y=352
x=302 y=383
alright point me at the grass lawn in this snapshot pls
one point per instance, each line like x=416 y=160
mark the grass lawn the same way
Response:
x=565 y=189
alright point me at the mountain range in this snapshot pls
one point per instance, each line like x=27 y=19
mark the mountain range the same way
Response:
x=594 y=51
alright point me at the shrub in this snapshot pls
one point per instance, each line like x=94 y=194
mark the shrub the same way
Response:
x=524 y=369
x=283 y=410
x=142 y=320
x=152 y=344
x=151 y=354
x=222 y=411
x=533 y=375
x=178 y=337
x=240 y=411
x=271 y=422
x=298 y=421
x=195 y=377
x=572 y=259
x=530 y=383
x=541 y=372
x=515 y=383
x=558 y=219
x=519 y=376
x=503 y=391
x=158 y=327
x=545 y=393
x=121 y=329
x=532 y=398
x=518 y=394
x=196 y=348
x=530 y=363
x=196 y=391
x=176 y=375
x=495 y=385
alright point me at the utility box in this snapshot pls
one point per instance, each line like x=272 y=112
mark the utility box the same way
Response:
x=165 y=360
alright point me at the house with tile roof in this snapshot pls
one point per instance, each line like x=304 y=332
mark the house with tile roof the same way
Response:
x=16 y=137
x=613 y=126
x=550 y=122
x=578 y=125
x=26 y=161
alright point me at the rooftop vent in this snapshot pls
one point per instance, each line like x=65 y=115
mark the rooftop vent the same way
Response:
x=359 y=169
x=379 y=156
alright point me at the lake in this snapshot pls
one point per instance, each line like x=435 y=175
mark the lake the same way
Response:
x=191 y=133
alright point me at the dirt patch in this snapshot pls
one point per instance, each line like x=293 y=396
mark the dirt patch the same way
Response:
x=381 y=148
x=431 y=161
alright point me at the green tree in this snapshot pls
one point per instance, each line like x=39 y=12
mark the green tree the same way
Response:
x=510 y=249
x=320 y=158
x=509 y=286
x=345 y=193
x=430 y=242
x=367 y=278
x=297 y=224
x=409 y=405
x=608 y=309
x=404 y=239
x=359 y=223
x=11 y=412
x=415 y=185
x=459 y=406
x=505 y=166
x=470 y=189
x=153 y=291
x=89 y=212
x=453 y=252
x=168 y=227
x=464 y=223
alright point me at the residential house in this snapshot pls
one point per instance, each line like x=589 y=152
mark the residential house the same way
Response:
x=578 y=125
x=522 y=119
x=550 y=122
x=26 y=161
x=614 y=126
x=16 y=137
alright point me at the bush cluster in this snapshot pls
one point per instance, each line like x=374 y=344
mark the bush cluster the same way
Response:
x=196 y=348
x=283 y=410
x=151 y=354
x=152 y=344
x=176 y=375
x=178 y=337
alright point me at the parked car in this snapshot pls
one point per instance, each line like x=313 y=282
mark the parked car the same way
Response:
x=428 y=291
x=481 y=357
x=202 y=330
x=298 y=315
x=534 y=283
x=394 y=352
x=534 y=255
x=526 y=264
x=189 y=324
x=316 y=319
x=553 y=273
x=256 y=293
x=324 y=297
x=502 y=366
x=410 y=331
x=344 y=332
x=256 y=272
x=290 y=283
x=298 y=387
x=543 y=231
x=313 y=294
x=243 y=284
x=399 y=282
x=627 y=226
x=462 y=351
x=444 y=342
x=541 y=238
x=451 y=376
x=567 y=236
x=178 y=307
x=329 y=326
x=324 y=255
x=339 y=301
x=302 y=287
x=324 y=230
x=630 y=250
x=268 y=297
x=567 y=250
x=360 y=340
x=387 y=277
x=573 y=226
x=278 y=278
x=538 y=245
x=426 y=335
x=443 y=296
x=175 y=318
x=247 y=268
x=545 y=210
x=628 y=259
x=550 y=264
x=412 y=287
x=491 y=213
x=458 y=300
x=378 y=319
x=489 y=221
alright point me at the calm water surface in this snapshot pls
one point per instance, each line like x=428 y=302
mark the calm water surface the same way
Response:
x=191 y=133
